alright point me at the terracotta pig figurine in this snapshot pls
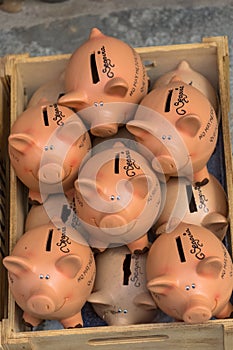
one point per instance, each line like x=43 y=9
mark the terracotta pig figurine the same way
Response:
x=51 y=274
x=177 y=123
x=46 y=146
x=49 y=92
x=202 y=204
x=117 y=197
x=192 y=77
x=102 y=71
x=189 y=273
x=120 y=296
x=56 y=206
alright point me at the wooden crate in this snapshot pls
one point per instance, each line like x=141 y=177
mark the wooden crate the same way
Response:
x=21 y=75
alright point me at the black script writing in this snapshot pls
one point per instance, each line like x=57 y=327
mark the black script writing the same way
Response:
x=130 y=165
x=202 y=199
x=208 y=125
x=64 y=242
x=108 y=65
x=196 y=245
x=86 y=269
x=181 y=101
x=136 y=75
x=137 y=271
x=58 y=115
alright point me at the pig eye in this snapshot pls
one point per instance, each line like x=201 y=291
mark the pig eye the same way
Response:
x=112 y=197
x=164 y=137
x=41 y=276
x=125 y=311
x=119 y=311
x=193 y=286
x=96 y=104
x=101 y=104
x=187 y=288
x=118 y=198
x=169 y=137
x=46 y=148
x=47 y=277
x=51 y=147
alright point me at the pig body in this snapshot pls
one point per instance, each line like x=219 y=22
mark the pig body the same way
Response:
x=117 y=198
x=120 y=295
x=46 y=146
x=51 y=274
x=189 y=273
x=192 y=77
x=202 y=204
x=177 y=123
x=103 y=71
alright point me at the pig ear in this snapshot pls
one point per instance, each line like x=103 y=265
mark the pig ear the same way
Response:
x=210 y=267
x=21 y=142
x=189 y=124
x=161 y=285
x=69 y=265
x=145 y=301
x=71 y=131
x=183 y=66
x=17 y=265
x=216 y=223
x=117 y=87
x=142 y=185
x=86 y=188
x=99 y=297
x=75 y=99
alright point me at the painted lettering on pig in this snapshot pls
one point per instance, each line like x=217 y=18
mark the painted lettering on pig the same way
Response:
x=130 y=165
x=182 y=99
x=86 y=269
x=195 y=244
x=208 y=126
x=64 y=241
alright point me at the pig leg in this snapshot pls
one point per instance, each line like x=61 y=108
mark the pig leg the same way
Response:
x=75 y=321
x=139 y=246
x=30 y=320
x=226 y=311
x=97 y=246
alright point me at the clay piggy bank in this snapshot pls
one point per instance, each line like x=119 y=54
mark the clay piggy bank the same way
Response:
x=100 y=72
x=177 y=123
x=117 y=197
x=189 y=273
x=51 y=275
x=120 y=295
x=202 y=204
x=48 y=92
x=190 y=76
x=56 y=206
x=46 y=146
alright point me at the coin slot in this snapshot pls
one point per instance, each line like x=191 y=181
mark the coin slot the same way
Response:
x=180 y=249
x=45 y=116
x=168 y=102
x=94 y=70
x=49 y=241
x=126 y=269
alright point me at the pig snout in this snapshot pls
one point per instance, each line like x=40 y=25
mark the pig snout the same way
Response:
x=166 y=162
x=198 y=310
x=104 y=130
x=51 y=173
x=41 y=304
x=117 y=224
